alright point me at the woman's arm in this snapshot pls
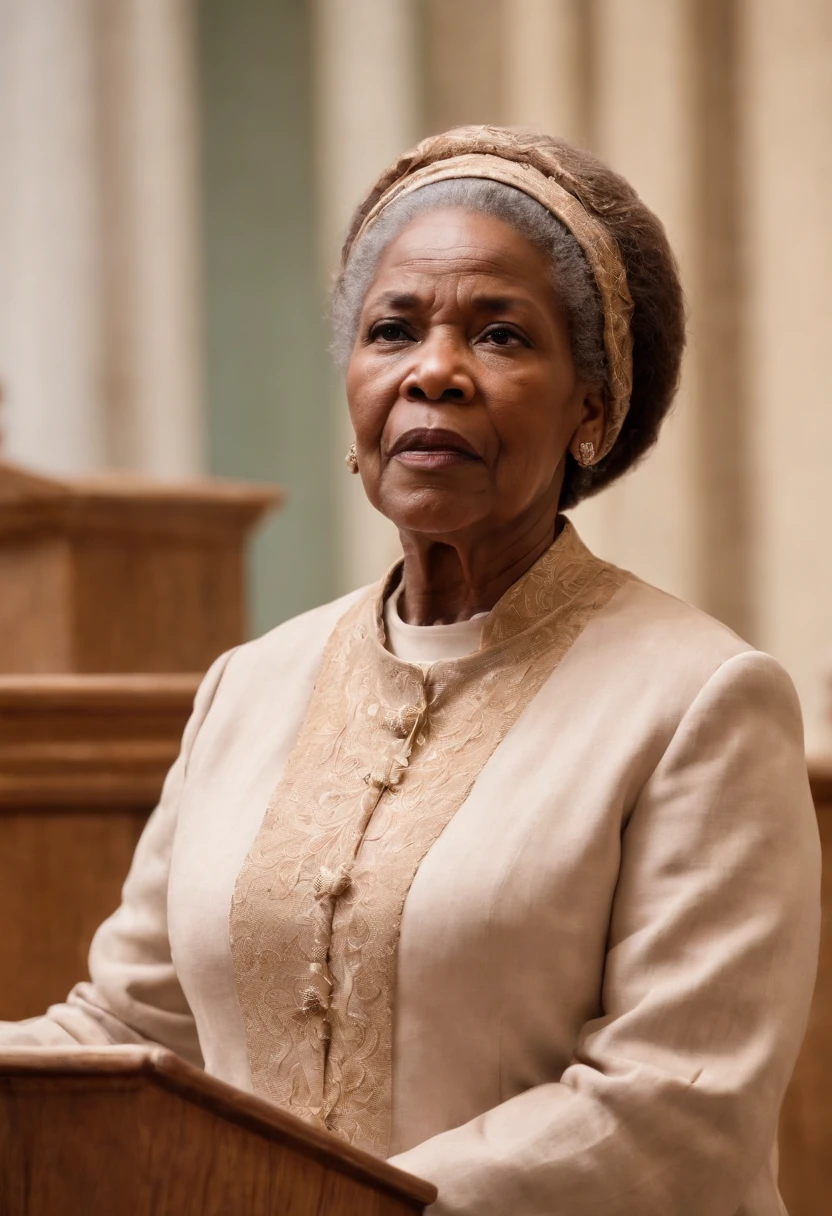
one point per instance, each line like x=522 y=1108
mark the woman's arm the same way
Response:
x=133 y=995
x=670 y=1103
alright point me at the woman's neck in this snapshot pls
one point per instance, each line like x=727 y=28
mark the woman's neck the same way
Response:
x=447 y=581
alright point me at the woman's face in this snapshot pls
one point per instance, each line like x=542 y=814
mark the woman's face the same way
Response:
x=461 y=385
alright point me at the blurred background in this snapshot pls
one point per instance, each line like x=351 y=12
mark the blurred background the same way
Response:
x=175 y=180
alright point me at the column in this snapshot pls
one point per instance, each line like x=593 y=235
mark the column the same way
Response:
x=100 y=342
x=718 y=294
x=786 y=106
x=368 y=112
x=643 y=126
x=50 y=278
x=546 y=66
x=150 y=185
x=463 y=62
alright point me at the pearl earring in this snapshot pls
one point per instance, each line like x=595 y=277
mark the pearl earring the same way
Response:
x=587 y=454
x=351 y=459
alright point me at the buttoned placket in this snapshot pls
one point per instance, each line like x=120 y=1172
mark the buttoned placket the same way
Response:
x=384 y=774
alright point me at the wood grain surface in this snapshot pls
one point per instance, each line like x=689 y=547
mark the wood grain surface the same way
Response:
x=89 y=741
x=122 y=574
x=806 y=1122
x=82 y=761
x=134 y=1131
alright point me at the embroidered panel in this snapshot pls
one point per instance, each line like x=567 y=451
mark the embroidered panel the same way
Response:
x=386 y=756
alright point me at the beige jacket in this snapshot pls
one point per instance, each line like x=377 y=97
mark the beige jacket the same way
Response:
x=541 y=925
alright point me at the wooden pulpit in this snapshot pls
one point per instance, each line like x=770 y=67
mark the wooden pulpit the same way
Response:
x=120 y=573
x=116 y=593
x=138 y=1132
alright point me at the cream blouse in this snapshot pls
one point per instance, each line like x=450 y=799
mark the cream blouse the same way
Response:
x=429 y=643
x=540 y=922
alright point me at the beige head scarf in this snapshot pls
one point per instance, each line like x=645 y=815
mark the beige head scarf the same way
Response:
x=530 y=164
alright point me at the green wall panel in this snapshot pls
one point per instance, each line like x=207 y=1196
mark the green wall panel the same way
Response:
x=266 y=361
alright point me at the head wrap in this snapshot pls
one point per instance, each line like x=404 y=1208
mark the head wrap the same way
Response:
x=530 y=164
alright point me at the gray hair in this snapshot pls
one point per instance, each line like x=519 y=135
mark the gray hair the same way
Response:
x=571 y=276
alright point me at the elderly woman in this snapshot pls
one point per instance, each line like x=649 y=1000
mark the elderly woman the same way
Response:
x=505 y=867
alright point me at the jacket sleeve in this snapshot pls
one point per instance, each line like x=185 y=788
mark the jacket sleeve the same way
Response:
x=133 y=994
x=670 y=1102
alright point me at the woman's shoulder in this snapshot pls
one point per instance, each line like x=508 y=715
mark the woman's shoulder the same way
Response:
x=658 y=618
x=275 y=674
x=652 y=638
x=656 y=668
x=643 y=629
x=290 y=652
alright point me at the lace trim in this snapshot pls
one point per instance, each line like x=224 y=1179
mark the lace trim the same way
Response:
x=386 y=756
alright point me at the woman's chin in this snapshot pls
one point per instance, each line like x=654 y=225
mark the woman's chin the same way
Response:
x=434 y=512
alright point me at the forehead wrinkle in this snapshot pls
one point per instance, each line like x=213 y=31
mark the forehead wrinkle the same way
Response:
x=465 y=262
x=457 y=260
x=500 y=282
x=504 y=291
x=418 y=246
x=413 y=273
x=479 y=297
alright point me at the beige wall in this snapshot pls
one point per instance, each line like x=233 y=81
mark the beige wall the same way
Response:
x=99 y=235
x=786 y=98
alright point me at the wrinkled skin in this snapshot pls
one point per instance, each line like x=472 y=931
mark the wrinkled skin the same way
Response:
x=465 y=400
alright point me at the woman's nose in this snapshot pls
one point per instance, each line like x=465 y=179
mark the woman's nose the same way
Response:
x=440 y=374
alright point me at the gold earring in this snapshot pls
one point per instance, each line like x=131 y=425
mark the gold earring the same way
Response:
x=351 y=459
x=587 y=454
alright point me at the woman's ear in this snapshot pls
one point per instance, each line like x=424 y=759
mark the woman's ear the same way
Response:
x=589 y=434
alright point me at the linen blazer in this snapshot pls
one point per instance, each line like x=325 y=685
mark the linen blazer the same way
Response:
x=604 y=960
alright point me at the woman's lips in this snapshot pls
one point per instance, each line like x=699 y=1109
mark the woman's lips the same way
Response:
x=435 y=459
x=433 y=448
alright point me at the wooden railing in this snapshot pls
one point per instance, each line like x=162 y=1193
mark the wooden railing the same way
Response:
x=82 y=761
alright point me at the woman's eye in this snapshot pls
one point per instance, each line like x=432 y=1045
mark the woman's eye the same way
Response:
x=388 y=331
x=501 y=335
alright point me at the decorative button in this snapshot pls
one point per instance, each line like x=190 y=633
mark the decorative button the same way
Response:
x=311 y=1002
x=332 y=883
x=402 y=721
x=320 y=952
x=387 y=773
